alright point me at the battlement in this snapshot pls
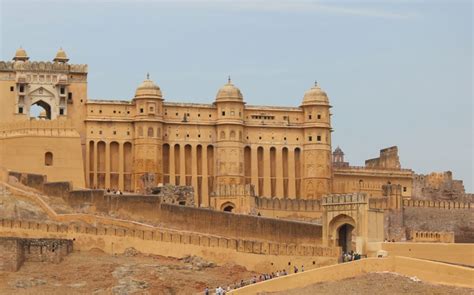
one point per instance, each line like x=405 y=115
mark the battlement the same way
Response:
x=57 y=127
x=166 y=236
x=42 y=66
x=430 y=236
x=437 y=204
x=232 y=190
x=355 y=198
x=287 y=204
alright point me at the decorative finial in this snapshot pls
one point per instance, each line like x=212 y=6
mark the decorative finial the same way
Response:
x=148 y=76
x=228 y=79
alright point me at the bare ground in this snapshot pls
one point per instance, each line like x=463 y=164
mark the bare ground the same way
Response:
x=377 y=283
x=94 y=272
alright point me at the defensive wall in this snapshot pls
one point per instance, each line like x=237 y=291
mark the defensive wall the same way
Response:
x=255 y=255
x=413 y=215
x=427 y=271
x=439 y=219
x=296 y=209
x=151 y=210
x=46 y=147
x=429 y=236
x=15 y=251
x=455 y=253
x=115 y=235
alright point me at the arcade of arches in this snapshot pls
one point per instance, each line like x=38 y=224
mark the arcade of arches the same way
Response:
x=110 y=165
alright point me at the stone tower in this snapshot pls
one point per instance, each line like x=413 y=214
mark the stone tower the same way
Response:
x=230 y=125
x=317 y=144
x=148 y=126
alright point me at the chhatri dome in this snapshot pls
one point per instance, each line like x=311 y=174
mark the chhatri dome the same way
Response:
x=229 y=92
x=20 y=54
x=315 y=95
x=61 y=56
x=148 y=89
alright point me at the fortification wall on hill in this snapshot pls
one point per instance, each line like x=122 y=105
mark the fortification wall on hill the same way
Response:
x=206 y=221
x=438 y=204
x=459 y=221
x=47 y=147
x=253 y=254
x=240 y=226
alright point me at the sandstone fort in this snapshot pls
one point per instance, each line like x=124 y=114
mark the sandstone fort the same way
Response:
x=258 y=186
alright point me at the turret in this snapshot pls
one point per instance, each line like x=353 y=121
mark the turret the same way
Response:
x=317 y=143
x=20 y=55
x=230 y=115
x=148 y=168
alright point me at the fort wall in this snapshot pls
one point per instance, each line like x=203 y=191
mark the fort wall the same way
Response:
x=239 y=226
x=441 y=219
x=51 y=148
x=430 y=236
x=256 y=255
x=455 y=253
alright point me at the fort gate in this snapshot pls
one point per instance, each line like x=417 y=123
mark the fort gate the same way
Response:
x=349 y=222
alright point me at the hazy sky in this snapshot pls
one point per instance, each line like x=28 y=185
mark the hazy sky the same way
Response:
x=397 y=72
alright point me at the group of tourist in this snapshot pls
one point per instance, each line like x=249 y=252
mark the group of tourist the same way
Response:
x=113 y=191
x=263 y=277
x=350 y=256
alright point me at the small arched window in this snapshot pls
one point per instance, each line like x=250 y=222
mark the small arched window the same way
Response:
x=48 y=159
x=222 y=135
x=232 y=134
x=150 y=132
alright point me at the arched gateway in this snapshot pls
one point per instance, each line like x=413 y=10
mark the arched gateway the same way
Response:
x=346 y=223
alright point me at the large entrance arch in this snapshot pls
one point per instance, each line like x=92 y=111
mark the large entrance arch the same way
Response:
x=350 y=223
x=344 y=237
x=341 y=229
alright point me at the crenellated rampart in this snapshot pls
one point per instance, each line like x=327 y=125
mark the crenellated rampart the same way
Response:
x=168 y=236
x=450 y=205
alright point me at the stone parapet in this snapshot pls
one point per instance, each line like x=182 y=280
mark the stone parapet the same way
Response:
x=438 y=204
x=173 y=236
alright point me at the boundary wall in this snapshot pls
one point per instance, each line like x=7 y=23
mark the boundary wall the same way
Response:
x=427 y=271
x=456 y=253
x=151 y=210
x=255 y=255
x=438 y=204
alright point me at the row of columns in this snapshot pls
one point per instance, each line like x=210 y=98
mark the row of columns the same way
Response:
x=93 y=168
x=292 y=167
x=206 y=172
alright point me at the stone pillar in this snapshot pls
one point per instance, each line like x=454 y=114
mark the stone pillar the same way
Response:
x=254 y=172
x=95 y=164
x=194 y=178
x=204 y=183
x=107 y=164
x=88 y=165
x=182 y=165
x=279 y=173
x=267 y=191
x=291 y=174
x=171 y=165
x=121 y=167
